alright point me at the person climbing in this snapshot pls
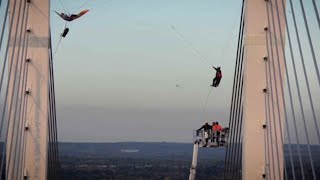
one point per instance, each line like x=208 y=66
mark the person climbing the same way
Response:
x=72 y=16
x=206 y=129
x=217 y=78
x=217 y=129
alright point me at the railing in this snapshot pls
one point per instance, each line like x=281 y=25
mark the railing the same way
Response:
x=211 y=138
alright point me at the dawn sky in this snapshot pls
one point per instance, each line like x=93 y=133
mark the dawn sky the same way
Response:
x=117 y=71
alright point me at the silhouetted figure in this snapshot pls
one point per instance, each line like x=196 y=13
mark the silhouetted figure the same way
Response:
x=206 y=129
x=217 y=78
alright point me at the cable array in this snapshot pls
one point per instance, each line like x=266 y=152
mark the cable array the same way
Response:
x=292 y=135
x=291 y=107
x=53 y=154
x=233 y=157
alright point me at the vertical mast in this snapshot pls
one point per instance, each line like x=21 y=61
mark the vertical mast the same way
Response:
x=257 y=91
x=36 y=110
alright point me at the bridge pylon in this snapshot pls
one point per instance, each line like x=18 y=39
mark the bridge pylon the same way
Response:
x=262 y=134
x=28 y=132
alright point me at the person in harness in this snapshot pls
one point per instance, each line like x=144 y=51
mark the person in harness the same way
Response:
x=218 y=77
x=71 y=17
x=207 y=128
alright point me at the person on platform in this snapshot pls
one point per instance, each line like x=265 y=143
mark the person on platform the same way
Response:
x=207 y=128
x=217 y=130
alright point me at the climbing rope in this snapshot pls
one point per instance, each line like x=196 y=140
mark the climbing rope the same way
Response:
x=63 y=7
x=204 y=107
x=190 y=45
x=57 y=47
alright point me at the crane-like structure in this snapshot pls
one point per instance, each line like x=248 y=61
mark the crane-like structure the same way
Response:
x=210 y=140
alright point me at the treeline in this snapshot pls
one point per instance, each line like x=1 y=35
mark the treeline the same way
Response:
x=130 y=169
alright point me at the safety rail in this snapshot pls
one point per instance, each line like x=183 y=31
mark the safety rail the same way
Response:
x=213 y=138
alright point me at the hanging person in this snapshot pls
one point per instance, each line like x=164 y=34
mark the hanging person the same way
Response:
x=72 y=16
x=65 y=32
x=218 y=77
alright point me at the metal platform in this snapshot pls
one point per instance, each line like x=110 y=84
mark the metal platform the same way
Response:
x=214 y=141
x=199 y=137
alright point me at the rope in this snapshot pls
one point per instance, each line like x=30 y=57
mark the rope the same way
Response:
x=206 y=102
x=65 y=10
x=188 y=43
x=84 y=4
x=57 y=47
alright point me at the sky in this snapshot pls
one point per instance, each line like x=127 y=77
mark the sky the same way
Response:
x=117 y=71
x=123 y=74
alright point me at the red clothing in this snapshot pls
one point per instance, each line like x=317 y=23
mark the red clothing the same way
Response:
x=217 y=128
x=219 y=74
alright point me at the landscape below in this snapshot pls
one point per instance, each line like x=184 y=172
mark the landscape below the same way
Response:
x=153 y=161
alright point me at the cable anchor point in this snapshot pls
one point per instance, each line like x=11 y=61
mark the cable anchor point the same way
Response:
x=265 y=90
x=266 y=28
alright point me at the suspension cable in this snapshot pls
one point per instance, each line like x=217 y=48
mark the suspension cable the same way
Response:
x=316 y=12
x=13 y=83
x=298 y=89
x=311 y=48
x=232 y=148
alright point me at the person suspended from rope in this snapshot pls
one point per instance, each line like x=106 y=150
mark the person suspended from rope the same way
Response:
x=65 y=32
x=71 y=17
x=207 y=128
x=218 y=77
